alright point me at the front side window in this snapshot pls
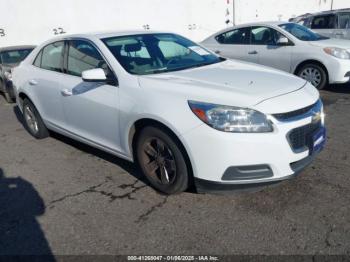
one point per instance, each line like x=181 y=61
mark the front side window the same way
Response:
x=14 y=56
x=238 y=36
x=52 y=57
x=301 y=22
x=324 y=22
x=83 y=56
x=304 y=22
x=302 y=32
x=158 y=53
x=262 y=35
x=344 y=20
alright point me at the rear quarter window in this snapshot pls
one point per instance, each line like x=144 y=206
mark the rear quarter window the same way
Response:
x=37 y=61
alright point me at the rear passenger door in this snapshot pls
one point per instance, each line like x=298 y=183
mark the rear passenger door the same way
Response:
x=91 y=108
x=325 y=25
x=233 y=44
x=44 y=85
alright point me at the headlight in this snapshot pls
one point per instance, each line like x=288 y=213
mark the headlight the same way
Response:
x=337 y=52
x=231 y=119
x=8 y=76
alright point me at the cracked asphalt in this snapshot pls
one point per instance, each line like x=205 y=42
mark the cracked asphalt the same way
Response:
x=61 y=197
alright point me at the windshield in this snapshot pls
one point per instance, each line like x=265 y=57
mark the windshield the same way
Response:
x=158 y=53
x=301 y=32
x=14 y=56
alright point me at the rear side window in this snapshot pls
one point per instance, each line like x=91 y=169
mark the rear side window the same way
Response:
x=52 y=57
x=344 y=20
x=324 y=22
x=83 y=56
x=238 y=36
x=14 y=56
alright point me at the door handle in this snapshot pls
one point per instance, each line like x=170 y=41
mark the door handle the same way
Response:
x=253 y=53
x=217 y=52
x=66 y=92
x=341 y=34
x=33 y=82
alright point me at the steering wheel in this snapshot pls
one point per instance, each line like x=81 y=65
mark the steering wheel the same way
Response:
x=171 y=61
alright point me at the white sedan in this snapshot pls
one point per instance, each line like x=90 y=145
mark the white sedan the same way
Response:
x=289 y=47
x=182 y=113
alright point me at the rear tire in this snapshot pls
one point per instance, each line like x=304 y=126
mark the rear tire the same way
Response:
x=162 y=161
x=315 y=74
x=33 y=121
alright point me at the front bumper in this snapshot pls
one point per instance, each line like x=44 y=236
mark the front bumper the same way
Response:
x=338 y=71
x=225 y=161
x=204 y=186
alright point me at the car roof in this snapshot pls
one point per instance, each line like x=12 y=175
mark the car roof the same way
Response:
x=267 y=23
x=328 y=12
x=273 y=23
x=102 y=35
x=18 y=47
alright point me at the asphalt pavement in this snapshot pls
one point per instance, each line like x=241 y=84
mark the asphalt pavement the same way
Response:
x=61 y=197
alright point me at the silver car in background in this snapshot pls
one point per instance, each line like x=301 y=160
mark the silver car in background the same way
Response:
x=334 y=24
x=288 y=47
x=10 y=57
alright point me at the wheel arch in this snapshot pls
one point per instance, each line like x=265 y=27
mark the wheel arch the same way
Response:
x=22 y=96
x=311 y=61
x=136 y=129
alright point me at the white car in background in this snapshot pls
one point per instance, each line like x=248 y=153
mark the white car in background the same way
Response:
x=289 y=47
x=182 y=113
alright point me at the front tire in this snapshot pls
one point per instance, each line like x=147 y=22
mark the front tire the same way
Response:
x=315 y=74
x=33 y=121
x=162 y=161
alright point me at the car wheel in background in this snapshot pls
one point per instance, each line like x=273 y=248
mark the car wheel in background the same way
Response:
x=32 y=121
x=315 y=74
x=162 y=161
x=8 y=98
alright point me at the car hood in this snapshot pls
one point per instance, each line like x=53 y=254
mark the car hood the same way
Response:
x=332 y=42
x=230 y=83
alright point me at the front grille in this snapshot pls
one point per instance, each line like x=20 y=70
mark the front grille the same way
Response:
x=300 y=138
x=287 y=116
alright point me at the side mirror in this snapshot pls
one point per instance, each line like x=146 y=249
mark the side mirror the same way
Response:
x=94 y=75
x=283 y=41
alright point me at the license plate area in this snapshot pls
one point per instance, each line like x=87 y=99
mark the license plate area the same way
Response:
x=318 y=140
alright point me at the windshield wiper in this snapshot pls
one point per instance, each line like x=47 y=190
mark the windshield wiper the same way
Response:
x=205 y=64
x=159 y=70
x=165 y=69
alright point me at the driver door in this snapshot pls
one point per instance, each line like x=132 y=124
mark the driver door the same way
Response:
x=266 y=50
x=91 y=108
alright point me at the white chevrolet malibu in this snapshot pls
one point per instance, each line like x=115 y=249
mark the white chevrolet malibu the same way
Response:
x=185 y=115
x=289 y=47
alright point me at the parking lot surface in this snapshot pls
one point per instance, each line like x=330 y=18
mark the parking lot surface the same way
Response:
x=58 y=196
